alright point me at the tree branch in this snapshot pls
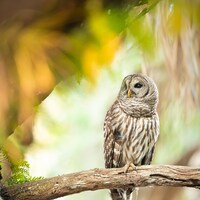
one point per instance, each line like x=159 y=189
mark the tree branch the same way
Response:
x=95 y=179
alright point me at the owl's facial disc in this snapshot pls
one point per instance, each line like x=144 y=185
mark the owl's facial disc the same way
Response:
x=138 y=88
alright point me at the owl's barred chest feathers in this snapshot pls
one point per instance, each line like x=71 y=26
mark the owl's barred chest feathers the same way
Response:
x=134 y=136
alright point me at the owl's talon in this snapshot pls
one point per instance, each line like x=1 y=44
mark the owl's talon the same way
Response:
x=129 y=166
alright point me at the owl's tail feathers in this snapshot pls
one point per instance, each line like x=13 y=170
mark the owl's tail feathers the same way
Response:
x=136 y=194
x=121 y=194
x=115 y=195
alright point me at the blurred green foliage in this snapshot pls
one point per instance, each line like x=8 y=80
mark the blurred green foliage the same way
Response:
x=20 y=174
x=14 y=173
x=40 y=50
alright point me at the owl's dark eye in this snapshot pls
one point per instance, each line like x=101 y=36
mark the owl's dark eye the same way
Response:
x=138 y=85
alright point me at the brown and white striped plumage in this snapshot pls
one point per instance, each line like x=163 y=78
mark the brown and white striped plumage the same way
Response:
x=131 y=127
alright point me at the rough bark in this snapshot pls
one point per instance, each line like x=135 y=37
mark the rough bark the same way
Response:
x=174 y=193
x=95 y=179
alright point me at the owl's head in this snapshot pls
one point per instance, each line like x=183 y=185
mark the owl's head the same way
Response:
x=138 y=91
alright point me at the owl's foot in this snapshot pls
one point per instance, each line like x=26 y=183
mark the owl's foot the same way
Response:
x=129 y=166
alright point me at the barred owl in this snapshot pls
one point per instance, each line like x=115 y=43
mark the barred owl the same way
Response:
x=131 y=127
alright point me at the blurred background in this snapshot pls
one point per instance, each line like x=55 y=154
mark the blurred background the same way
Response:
x=61 y=67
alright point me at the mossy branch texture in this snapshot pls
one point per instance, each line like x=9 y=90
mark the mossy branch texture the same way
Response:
x=96 y=179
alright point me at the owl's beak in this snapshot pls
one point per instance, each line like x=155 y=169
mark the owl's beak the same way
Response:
x=129 y=92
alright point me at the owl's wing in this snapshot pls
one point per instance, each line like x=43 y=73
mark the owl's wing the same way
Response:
x=112 y=143
x=148 y=157
x=108 y=141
